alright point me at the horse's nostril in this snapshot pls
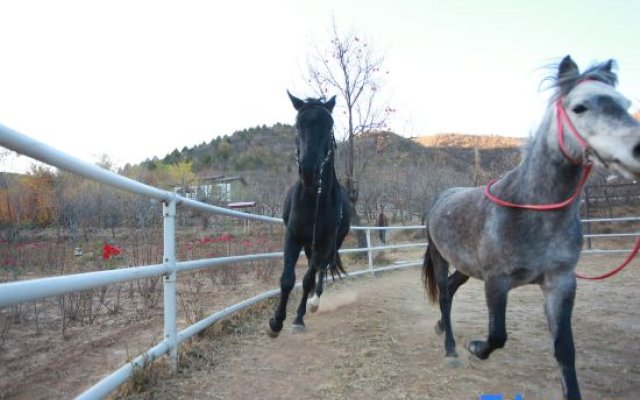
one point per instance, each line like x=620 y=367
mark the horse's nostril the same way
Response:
x=636 y=151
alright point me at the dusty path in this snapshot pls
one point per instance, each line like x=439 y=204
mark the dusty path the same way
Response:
x=373 y=339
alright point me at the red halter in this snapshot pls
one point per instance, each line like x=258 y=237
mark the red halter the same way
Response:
x=561 y=116
x=561 y=119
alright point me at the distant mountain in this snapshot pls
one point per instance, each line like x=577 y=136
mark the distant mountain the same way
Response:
x=393 y=171
x=453 y=152
x=266 y=150
x=483 y=142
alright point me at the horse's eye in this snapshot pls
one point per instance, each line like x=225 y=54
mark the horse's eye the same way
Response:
x=579 y=109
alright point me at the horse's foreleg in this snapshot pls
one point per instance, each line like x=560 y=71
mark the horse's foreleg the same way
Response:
x=308 y=284
x=496 y=290
x=314 y=302
x=287 y=282
x=455 y=280
x=559 y=292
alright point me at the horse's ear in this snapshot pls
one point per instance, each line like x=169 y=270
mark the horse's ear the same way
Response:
x=297 y=103
x=608 y=66
x=607 y=71
x=567 y=68
x=330 y=104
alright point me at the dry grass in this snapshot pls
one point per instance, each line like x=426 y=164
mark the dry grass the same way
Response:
x=208 y=351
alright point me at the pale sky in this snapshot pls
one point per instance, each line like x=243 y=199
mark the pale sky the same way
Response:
x=137 y=79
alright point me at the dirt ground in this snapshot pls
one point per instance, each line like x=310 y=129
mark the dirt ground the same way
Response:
x=373 y=338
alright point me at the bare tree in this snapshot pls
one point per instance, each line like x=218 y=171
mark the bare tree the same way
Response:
x=353 y=68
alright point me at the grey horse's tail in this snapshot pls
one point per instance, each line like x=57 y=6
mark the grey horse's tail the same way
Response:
x=428 y=273
x=336 y=268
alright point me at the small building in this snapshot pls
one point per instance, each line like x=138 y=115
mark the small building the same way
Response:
x=219 y=188
x=213 y=189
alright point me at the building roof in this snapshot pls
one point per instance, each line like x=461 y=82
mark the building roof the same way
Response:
x=241 y=204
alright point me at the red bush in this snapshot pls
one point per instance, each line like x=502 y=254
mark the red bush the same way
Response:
x=109 y=250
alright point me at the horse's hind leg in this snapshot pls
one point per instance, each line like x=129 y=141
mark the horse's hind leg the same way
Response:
x=559 y=293
x=441 y=271
x=334 y=265
x=495 y=289
x=287 y=282
x=455 y=280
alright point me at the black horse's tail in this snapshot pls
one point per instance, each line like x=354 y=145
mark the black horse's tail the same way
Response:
x=336 y=268
x=428 y=273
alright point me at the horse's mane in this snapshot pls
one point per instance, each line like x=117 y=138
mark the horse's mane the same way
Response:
x=564 y=83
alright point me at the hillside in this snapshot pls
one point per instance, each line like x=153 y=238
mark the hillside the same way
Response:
x=462 y=141
x=272 y=149
x=455 y=152
x=402 y=174
x=259 y=148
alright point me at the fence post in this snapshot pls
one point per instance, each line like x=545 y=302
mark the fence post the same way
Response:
x=170 y=303
x=369 y=251
x=588 y=215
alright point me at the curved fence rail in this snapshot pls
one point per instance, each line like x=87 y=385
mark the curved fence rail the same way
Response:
x=29 y=290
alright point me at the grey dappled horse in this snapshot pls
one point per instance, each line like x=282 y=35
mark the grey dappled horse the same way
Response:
x=529 y=231
x=316 y=210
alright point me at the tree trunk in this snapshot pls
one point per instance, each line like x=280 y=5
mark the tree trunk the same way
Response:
x=352 y=187
x=361 y=236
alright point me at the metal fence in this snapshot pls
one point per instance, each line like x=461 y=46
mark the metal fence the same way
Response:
x=22 y=291
x=29 y=290
x=590 y=236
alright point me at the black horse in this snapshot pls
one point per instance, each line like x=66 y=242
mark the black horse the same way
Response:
x=316 y=210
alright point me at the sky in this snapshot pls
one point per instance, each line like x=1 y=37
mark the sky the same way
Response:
x=137 y=79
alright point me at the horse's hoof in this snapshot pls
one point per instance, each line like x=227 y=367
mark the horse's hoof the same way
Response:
x=477 y=348
x=271 y=333
x=453 y=362
x=297 y=328
x=274 y=328
x=313 y=304
x=438 y=328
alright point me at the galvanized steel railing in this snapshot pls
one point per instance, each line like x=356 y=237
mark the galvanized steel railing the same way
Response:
x=22 y=291
x=590 y=250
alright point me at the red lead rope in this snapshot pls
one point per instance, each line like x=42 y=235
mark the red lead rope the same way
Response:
x=619 y=268
x=586 y=170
